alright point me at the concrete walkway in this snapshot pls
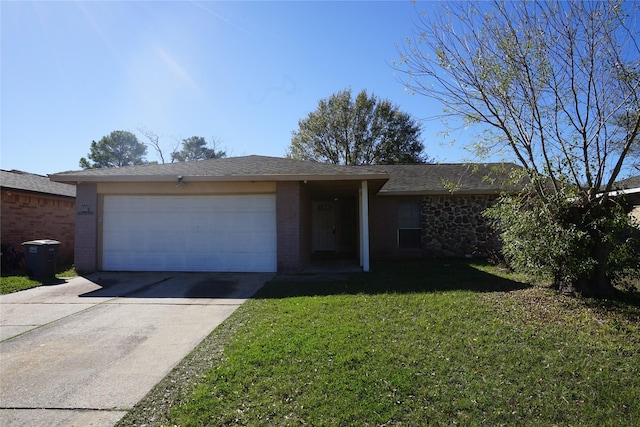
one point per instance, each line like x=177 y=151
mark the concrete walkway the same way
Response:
x=83 y=352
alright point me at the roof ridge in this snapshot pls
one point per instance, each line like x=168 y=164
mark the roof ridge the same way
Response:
x=19 y=172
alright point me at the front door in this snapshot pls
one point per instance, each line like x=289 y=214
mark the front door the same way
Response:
x=323 y=219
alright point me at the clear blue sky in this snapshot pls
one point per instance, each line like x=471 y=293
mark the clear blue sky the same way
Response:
x=242 y=72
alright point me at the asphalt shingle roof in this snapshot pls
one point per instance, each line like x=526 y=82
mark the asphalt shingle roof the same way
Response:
x=633 y=182
x=400 y=179
x=441 y=177
x=238 y=167
x=25 y=181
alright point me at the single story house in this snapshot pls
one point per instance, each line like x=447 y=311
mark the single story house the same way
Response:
x=257 y=213
x=33 y=208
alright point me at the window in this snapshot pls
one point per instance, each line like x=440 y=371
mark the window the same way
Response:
x=409 y=231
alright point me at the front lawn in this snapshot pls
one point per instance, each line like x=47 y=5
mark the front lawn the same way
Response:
x=429 y=343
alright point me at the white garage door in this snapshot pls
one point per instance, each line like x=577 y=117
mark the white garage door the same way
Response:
x=189 y=233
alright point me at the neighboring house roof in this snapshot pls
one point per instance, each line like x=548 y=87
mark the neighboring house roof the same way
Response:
x=629 y=183
x=24 y=181
x=393 y=179
x=628 y=186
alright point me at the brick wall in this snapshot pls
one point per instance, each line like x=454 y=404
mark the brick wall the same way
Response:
x=86 y=247
x=30 y=216
x=383 y=229
x=288 y=221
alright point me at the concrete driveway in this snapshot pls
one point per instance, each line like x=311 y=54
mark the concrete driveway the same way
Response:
x=82 y=353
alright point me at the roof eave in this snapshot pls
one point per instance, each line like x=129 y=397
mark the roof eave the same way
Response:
x=624 y=191
x=76 y=179
x=40 y=193
x=441 y=193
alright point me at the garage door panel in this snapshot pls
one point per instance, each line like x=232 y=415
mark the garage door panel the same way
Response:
x=190 y=233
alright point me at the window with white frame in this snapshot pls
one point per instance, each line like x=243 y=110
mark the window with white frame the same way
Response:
x=409 y=231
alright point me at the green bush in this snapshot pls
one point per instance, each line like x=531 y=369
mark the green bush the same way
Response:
x=578 y=245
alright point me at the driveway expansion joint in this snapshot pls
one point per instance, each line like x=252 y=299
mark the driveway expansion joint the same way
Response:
x=53 y=408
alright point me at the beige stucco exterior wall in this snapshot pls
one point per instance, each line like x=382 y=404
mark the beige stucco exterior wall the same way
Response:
x=186 y=188
x=635 y=213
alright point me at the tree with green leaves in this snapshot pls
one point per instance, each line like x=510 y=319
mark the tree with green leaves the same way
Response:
x=362 y=131
x=119 y=148
x=196 y=148
x=556 y=85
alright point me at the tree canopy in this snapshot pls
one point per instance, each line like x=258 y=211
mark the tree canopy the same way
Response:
x=119 y=148
x=122 y=148
x=196 y=148
x=362 y=131
x=556 y=85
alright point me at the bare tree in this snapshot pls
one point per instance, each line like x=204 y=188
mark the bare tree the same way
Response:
x=154 y=142
x=556 y=83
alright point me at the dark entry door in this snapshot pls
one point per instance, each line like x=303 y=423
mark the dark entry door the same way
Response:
x=323 y=220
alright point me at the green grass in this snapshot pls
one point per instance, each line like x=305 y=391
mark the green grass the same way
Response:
x=18 y=280
x=430 y=343
x=9 y=284
x=66 y=271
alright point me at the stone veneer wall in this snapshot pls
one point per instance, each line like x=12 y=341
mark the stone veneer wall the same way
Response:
x=453 y=226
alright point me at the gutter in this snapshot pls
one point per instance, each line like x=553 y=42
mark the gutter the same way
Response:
x=77 y=179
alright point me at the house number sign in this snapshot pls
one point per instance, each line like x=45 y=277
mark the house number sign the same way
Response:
x=85 y=210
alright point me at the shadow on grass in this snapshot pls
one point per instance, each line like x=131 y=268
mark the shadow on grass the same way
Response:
x=397 y=277
x=625 y=302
